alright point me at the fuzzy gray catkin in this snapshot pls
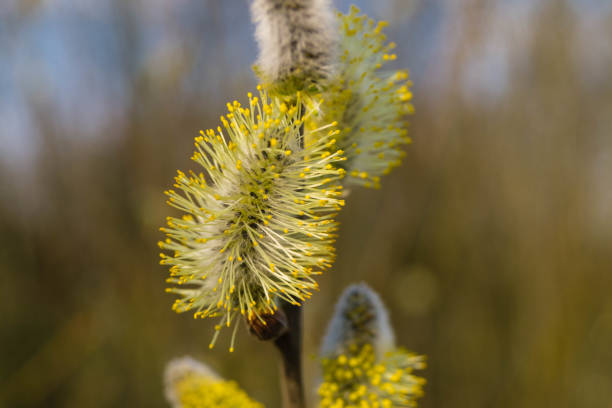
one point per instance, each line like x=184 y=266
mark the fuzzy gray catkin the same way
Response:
x=297 y=41
x=360 y=318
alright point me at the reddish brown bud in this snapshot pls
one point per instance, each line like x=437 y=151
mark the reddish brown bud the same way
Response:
x=269 y=326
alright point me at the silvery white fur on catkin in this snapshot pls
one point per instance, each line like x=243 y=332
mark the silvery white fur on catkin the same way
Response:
x=177 y=369
x=295 y=34
x=341 y=330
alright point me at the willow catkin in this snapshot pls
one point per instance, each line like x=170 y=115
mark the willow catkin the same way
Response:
x=297 y=41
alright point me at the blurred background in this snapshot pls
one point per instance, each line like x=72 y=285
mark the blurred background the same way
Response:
x=491 y=245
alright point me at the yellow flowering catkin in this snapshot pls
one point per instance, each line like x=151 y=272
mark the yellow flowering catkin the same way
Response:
x=259 y=225
x=192 y=384
x=361 y=365
x=358 y=379
x=369 y=104
x=197 y=392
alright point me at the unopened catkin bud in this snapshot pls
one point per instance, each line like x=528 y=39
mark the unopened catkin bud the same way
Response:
x=360 y=318
x=297 y=42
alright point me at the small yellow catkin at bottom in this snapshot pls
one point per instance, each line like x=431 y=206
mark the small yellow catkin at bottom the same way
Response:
x=201 y=392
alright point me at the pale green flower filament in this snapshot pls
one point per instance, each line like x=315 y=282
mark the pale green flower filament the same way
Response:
x=370 y=105
x=261 y=225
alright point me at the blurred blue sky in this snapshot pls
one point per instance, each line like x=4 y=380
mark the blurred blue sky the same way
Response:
x=72 y=57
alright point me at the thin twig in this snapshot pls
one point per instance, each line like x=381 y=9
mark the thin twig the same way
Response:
x=290 y=346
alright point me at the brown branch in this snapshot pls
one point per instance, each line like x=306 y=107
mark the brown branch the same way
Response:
x=285 y=328
x=289 y=345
